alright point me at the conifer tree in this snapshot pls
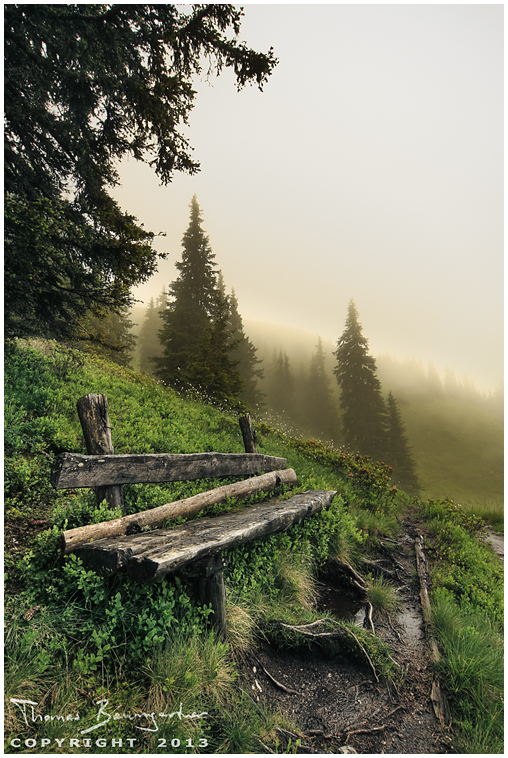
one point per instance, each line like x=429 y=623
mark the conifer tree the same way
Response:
x=398 y=453
x=321 y=416
x=244 y=353
x=191 y=302
x=109 y=336
x=281 y=385
x=149 y=346
x=213 y=371
x=361 y=402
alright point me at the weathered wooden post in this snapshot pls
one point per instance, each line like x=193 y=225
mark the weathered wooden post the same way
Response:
x=212 y=592
x=248 y=434
x=93 y=415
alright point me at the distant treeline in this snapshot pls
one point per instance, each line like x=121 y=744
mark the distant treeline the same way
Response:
x=192 y=337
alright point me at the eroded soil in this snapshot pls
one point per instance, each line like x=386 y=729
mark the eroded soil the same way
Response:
x=336 y=702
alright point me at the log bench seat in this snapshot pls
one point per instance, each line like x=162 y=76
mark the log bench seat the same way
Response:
x=150 y=555
x=133 y=544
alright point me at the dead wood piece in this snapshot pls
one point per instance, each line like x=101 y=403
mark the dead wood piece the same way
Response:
x=438 y=698
x=364 y=721
x=339 y=633
x=369 y=617
x=272 y=679
x=347 y=569
x=98 y=469
x=73 y=538
x=248 y=434
x=394 y=630
x=369 y=731
x=93 y=415
x=376 y=567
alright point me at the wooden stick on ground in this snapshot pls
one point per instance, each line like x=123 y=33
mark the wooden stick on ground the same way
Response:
x=437 y=697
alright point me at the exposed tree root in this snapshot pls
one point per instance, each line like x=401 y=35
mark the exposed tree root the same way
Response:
x=339 y=633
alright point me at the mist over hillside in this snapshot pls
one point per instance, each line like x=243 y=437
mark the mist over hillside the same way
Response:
x=454 y=429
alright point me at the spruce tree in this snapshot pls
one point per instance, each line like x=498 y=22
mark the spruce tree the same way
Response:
x=321 y=416
x=212 y=370
x=85 y=86
x=281 y=392
x=190 y=305
x=149 y=346
x=244 y=353
x=361 y=401
x=399 y=454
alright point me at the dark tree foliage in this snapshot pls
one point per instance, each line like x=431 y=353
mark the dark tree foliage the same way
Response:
x=212 y=371
x=244 y=353
x=361 y=401
x=399 y=454
x=320 y=412
x=149 y=346
x=191 y=304
x=85 y=86
x=281 y=386
x=109 y=336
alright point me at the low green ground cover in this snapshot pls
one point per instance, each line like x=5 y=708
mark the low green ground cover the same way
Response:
x=75 y=640
x=468 y=615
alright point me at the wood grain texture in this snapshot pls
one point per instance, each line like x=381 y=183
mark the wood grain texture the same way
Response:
x=93 y=415
x=154 y=517
x=71 y=470
x=151 y=555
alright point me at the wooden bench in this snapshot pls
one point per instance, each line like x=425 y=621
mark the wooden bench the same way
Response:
x=195 y=547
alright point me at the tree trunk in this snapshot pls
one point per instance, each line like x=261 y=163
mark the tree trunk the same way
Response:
x=249 y=436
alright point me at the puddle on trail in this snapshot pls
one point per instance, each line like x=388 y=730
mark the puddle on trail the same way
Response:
x=341 y=604
x=410 y=619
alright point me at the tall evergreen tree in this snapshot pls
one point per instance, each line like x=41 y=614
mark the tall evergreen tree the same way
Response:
x=244 y=353
x=212 y=370
x=148 y=339
x=398 y=453
x=321 y=416
x=281 y=385
x=362 y=405
x=192 y=298
x=85 y=85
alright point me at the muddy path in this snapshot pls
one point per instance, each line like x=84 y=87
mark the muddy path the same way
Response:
x=336 y=701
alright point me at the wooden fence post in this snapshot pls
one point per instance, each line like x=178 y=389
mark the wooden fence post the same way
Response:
x=212 y=591
x=248 y=434
x=93 y=415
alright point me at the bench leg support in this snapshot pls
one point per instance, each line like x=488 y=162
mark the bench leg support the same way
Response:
x=213 y=592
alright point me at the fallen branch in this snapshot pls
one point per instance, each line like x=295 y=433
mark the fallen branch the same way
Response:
x=369 y=616
x=369 y=731
x=376 y=567
x=437 y=697
x=339 y=633
x=136 y=522
x=272 y=679
x=394 y=630
x=347 y=569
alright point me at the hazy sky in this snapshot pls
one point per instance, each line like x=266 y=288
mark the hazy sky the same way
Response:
x=371 y=167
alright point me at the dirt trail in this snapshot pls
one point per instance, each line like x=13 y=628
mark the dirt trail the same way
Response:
x=497 y=542
x=336 y=701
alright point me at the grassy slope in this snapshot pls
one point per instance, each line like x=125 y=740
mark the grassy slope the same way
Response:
x=96 y=636
x=458 y=447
